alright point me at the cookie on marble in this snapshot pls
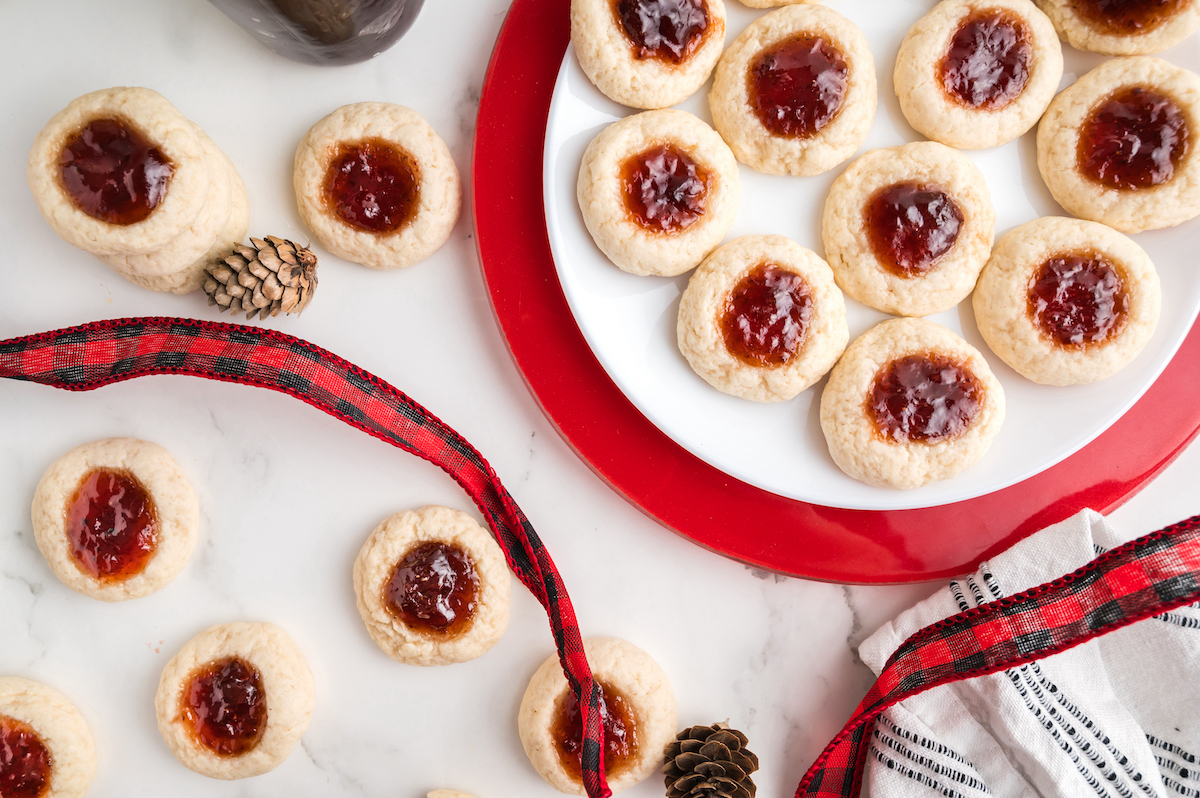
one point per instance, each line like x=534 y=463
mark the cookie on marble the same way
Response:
x=448 y=794
x=762 y=319
x=116 y=519
x=1119 y=145
x=46 y=747
x=795 y=94
x=974 y=74
x=658 y=192
x=648 y=53
x=255 y=679
x=432 y=587
x=642 y=717
x=1141 y=27
x=376 y=185
x=907 y=229
x=910 y=403
x=1065 y=301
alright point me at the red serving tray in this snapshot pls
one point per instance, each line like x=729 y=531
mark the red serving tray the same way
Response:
x=678 y=489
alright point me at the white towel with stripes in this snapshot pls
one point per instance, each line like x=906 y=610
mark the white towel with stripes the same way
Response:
x=1117 y=717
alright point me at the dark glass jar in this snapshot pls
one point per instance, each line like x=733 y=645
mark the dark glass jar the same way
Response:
x=324 y=32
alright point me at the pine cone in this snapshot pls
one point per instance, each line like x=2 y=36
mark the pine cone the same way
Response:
x=709 y=762
x=271 y=276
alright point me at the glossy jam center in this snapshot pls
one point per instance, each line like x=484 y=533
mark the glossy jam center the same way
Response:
x=225 y=706
x=987 y=65
x=112 y=525
x=434 y=588
x=620 y=732
x=911 y=225
x=665 y=190
x=24 y=761
x=1134 y=139
x=373 y=185
x=926 y=397
x=797 y=86
x=114 y=174
x=668 y=30
x=1125 y=17
x=1078 y=299
x=766 y=316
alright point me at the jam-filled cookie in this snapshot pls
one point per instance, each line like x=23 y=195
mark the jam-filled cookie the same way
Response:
x=658 y=191
x=1065 y=301
x=116 y=519
x=235 y=700
x=910 y=403
x=46 y=747
x=762 y=319
x=432 y=587
x=1120 y=145
x=796 y=93
x=907 y=229
x=1123 y=27
x=648 y=53
x=975 y=74
x=639 y=717
x=376 y=185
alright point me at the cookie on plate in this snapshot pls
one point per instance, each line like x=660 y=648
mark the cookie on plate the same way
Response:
x=640 y=720
x=648 y=53
x=1119 y=145
x=795 y=94
x=46 y=747
x=1141 y=27
x=762 y=319
x=658 y=192
x=975 y=74
x=1065 y=301
x=910 y=403
x=907 y=229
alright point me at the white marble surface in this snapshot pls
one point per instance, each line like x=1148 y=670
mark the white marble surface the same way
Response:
x=288 y=494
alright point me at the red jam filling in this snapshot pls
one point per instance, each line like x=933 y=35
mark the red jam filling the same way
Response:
x=667 y=30
x=114 y=174
x=620 y=733
x=112 y=525
x=1078 y=299
x=987 y=65
x=1134 y=139
x=766 y=316
x=434 y=588
x=910 y=226
x=665 y=190
x=24 y=761
x=225 y=706
x=373 y=185
x=798 y=85
x=1127 y=17
x=926 y=397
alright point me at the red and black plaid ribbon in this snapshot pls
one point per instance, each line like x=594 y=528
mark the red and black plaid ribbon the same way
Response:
x=93 y=355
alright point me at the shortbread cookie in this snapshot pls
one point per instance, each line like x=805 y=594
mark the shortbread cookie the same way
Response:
x=974 y=74
x=775 y=3
x=795 y=94
x=377 y=186
x=907 y=229
x=448 y=794
x=640 y=720
x=235 y=700
x=119 y=171
x=116 y=519
x=910 y=403
x=1132 y=27
x=432 y=587
x=1065 y=301
x=46 y=747
x=648 y=53
x=1120 y=145
x=658 y=191
x=762 y=319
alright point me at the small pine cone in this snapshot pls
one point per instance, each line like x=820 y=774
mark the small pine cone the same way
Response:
x=709 y=762
x=270 y=276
